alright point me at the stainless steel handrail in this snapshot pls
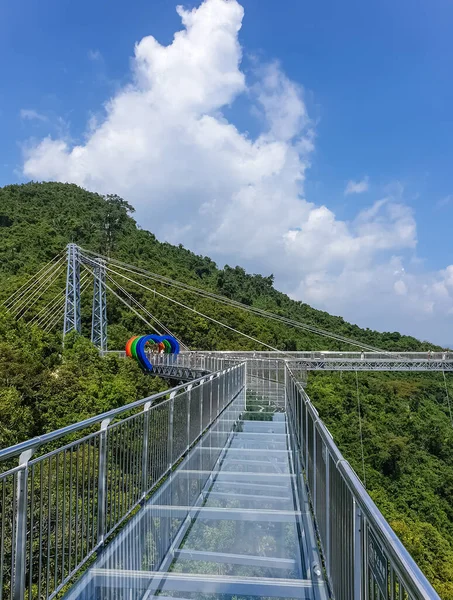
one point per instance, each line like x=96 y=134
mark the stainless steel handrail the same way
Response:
x=35 y=442
x=410 y=577
x=58 y=507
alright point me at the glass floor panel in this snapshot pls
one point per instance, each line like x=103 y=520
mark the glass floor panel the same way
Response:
x=237 y=566
x=258 y=443
x=124 y=585
x=238 y=499
x=227 y=524
x=237 y=465
x=263 y=426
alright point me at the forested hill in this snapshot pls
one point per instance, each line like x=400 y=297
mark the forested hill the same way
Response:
x=37 y=220
x=407 y=433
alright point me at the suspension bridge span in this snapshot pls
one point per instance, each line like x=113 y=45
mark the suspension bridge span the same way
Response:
x=227 y=486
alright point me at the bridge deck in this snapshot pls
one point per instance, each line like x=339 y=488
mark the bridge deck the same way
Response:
x=232 y=521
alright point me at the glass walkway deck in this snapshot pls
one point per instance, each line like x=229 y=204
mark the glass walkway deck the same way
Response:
x=229 y=487
x=232 y=521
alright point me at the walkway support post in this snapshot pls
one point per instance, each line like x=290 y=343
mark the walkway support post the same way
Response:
x=171 y=409
x=145 y=451
x=358 y=533
x=189 y=400
x=102 y=480
x=20 y=549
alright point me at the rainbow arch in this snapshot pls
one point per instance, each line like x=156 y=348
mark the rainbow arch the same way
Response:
x=135 y=347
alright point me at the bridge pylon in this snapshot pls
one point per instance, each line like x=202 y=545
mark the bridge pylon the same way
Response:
x=99 y=311
x=72 y=313
x=72 y=320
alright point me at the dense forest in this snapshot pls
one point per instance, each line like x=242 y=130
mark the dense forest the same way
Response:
x=407 y=432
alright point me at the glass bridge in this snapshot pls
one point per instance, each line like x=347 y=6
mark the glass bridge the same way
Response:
x=229 y=487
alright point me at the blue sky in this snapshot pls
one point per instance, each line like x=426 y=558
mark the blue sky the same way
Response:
x=377 y=86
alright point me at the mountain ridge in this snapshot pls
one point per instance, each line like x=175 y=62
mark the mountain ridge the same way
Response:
x=37 y=220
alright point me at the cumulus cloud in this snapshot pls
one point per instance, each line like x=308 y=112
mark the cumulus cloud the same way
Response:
x=356 y=187
x=167 y=147
x=30 y=114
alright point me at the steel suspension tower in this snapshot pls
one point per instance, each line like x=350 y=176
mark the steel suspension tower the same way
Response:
x=99 y=314
x=72 y=319
x=72 y=303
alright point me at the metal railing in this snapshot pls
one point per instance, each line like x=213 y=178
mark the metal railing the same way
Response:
x=364 y=558
x=446 y=355
x=335 y=361
x=58 y=508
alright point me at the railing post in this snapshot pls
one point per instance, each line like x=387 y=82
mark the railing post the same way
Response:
x=102 y=480
x=244 y=381
x=327 y=548
x=189 y=401
x=286 y=391
x=227 y=385
x=145 y=451
x=170 y=429
x=20 y=550
x=306 y=465
x=315 y=467
x=211 y=385
x=202 y=383
x=358 y=559
x=224 y=392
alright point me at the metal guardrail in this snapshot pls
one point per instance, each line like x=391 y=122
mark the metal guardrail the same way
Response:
x=324 y=354
x=364 y=558
x=57 y=509
x=335 y=361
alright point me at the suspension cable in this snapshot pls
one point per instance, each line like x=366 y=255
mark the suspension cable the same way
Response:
x=360 y=428
x=49 y=307
x=128 y=305
x=30 y=280
x=58 y=305
x=146 y=311
x=448 y=398
x=29 y=289
x=132 y=309
x=58 y=302
x=24 y=296
x=31 y=292
x=234 y=303
x=38 y=293
x=197 y=312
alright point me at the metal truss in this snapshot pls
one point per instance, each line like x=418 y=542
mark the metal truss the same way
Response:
x=180 y=373
x=338 y=364
x=72 y=320
x=99 y=311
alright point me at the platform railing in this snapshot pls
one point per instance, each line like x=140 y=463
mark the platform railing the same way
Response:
x=364 y=558
x=64 y=493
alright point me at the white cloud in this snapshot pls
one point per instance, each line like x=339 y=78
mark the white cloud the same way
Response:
x=95 y=55
x=356 y=187
x=166 y=146
x=445 y=201
x=400 y=287
x=31 y=114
